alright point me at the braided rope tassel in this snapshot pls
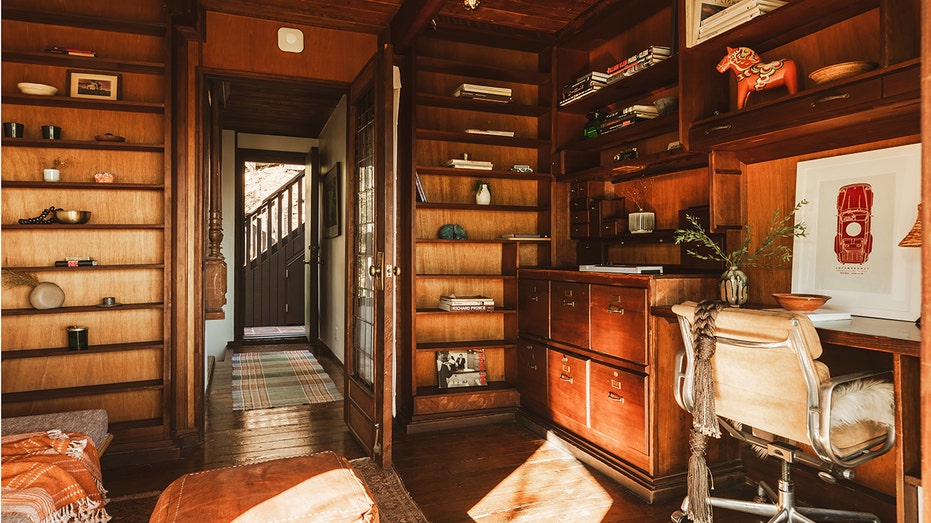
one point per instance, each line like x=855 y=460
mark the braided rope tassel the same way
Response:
x=704 y=417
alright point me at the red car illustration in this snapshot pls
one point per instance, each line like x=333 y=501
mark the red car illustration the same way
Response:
x=854 y=242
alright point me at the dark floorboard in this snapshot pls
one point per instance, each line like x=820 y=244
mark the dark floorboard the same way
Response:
x=492 y=473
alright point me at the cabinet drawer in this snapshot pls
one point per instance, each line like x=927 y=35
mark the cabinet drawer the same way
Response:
x=844 y=99
x=618 y=407
x=581 y=216
x=580 y=230
x=531 y=375
x=619 y=322
x=533 y=308
x=568 y=389
x=569 y=313
x=587 y=189
x=613 y=228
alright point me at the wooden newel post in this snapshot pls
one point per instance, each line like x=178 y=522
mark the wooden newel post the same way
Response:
x=214 y=263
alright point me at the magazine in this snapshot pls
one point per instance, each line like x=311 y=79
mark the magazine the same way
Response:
x=461 y=368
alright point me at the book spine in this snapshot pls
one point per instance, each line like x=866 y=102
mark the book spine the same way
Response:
x=467 y=308
x=75 y=263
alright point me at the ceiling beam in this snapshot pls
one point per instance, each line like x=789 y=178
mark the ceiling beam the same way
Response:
x=409 y=21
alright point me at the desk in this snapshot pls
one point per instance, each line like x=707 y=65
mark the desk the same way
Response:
x=901 y=341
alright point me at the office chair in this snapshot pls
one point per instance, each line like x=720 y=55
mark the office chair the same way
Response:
x=771 y=392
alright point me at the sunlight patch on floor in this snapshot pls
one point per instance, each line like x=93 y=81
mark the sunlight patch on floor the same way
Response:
x=531 y=501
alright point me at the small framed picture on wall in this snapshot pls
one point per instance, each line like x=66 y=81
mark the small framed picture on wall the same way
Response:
x=91 y=84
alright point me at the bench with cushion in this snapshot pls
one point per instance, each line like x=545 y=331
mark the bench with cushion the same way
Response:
x=93 y=422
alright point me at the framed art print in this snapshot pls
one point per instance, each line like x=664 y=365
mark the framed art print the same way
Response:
x=860 y=206
x=92 y=84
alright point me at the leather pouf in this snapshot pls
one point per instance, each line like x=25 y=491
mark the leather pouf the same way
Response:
x=46 y=295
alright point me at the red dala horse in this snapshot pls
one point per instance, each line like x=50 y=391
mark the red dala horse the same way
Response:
x=755 y=76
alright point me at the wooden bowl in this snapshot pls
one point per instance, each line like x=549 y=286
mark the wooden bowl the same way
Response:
x=840 y=71
x=800 y=302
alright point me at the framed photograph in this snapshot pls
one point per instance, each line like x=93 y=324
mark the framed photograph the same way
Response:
x=90 y=84
x=860 y=206
x=461 y=368
x=332 y=208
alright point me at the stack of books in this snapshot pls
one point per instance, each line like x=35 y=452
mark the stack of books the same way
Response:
x=455 y=303
x=627 y=116
x=460 y=163
x=740 y=12
x=634 y=64
x=583 y=86
x=483 y=92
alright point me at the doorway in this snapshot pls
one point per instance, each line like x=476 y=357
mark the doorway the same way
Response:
x=271 y=193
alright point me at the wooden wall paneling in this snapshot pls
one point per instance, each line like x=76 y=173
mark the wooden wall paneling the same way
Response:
x=240 y=43
x=925 y=373
x=459 y=327
x=134 y=407
x=81 y=370
x=475 y=222
x=126 y=166
x=138 y=12
x=20 y=332
x=129 y=246
x=441 y=257
x=107 y=207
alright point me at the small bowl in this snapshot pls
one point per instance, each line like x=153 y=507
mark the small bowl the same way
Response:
x=841 y=71
x=72 y=217
x=801 y=302
x=40 y=89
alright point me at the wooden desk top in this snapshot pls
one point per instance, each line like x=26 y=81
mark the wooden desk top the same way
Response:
x=895 y=336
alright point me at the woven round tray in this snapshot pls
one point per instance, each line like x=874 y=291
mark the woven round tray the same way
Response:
x=841 y=70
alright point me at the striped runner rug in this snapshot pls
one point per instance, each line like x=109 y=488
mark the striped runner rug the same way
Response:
x=264 y=380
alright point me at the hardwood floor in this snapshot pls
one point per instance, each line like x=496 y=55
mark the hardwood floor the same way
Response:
x=491 y=473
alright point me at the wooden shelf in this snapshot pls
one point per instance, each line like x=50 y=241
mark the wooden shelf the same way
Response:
x=663 y=124
x=476 y=207
x=498 y=310
x=83 y=185
x=460 y=68
x=64 y=351
x=84 y=21
x=83 y=144
x=649 y=80
x=84 y=62
x=481 y=139
x=89 y=390
x=492 y=387
x=465 y=104
x=84 y=103
x=120 y=267
x=462 y=345
x=497 y=276
x=83 y=226
x=643 y=166
x=81 y=308
x=480 y=173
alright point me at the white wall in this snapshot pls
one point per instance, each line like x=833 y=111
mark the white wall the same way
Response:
x=217 y=333
x=333 y=270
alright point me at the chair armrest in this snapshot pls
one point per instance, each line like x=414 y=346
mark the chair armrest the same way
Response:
x=821 y=434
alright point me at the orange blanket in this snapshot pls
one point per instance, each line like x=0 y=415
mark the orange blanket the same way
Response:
x=52 y=477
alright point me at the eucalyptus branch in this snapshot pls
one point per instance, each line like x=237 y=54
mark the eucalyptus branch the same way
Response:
x=780 y=227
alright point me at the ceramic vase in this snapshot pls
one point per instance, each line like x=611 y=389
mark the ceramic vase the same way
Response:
x=641 y=222
x=483 y=195
x=734 y=287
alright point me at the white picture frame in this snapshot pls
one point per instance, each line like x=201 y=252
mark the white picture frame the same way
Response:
x=874 y=278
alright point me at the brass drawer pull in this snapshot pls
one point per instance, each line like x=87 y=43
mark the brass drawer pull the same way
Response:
x=615 y=309
x=567 y=379
x=830 y=98
x=532 y=366
x=718 y=128
x=568 y=303
x=615 y=397
x=534 y=298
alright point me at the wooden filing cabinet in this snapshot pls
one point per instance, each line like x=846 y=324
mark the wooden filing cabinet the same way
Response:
x=609 y=375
